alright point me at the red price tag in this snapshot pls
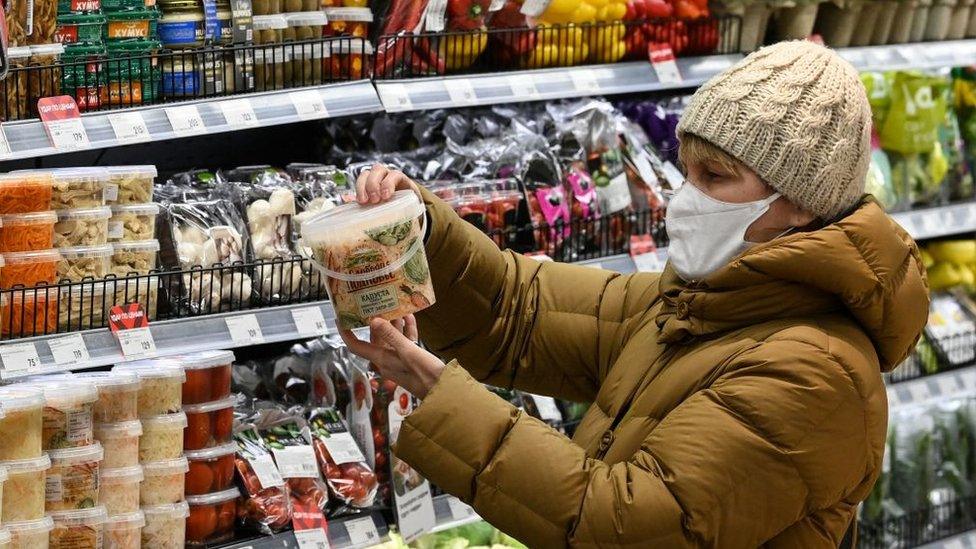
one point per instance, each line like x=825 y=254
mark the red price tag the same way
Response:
x=62 y=120
x=662 y=60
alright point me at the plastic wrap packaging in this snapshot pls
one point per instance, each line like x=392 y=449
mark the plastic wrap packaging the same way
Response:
x=267 y=507
x=382 y=393
x=286 y=436
x=350 y=478
x=72 y=482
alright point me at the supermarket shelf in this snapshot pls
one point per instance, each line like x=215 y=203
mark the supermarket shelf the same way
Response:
x=936 y=387
x=543 y=84
x=339 y=535
x=184 y=335
x=922 y=55
x=28 y=138
x=622 y=263
x=939 y=221
x=452 y=512
x=965 y=540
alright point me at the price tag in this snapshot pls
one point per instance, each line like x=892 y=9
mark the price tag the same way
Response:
x=136 y=343
x=461 y=92
x=238 y=113
x=459 y=509
x=69 y=350
x=309 y=321
x=267 y=472
x=584 y=80
x=362 y=531
x=650 y=262
x=186 y=120
x=19 y=357
x=62 y=121
x=129 y=127
x=308 y=105
x=547 y=408
x=4 y=144
x=523 y=87
x=244 y=329
x=343 y=448
x=296 y=462
x=312 y=539
x=534 y=8
x=395 y=97
x=662 y=60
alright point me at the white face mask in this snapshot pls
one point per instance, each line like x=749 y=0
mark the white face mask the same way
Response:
x=705 y=233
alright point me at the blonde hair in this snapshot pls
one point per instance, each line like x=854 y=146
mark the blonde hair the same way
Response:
x=693 y=149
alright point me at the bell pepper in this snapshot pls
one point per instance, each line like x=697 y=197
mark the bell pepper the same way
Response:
x=459 y=51
x=607 y=42
x=509 y=46
x=690 y=9
x=466 y=14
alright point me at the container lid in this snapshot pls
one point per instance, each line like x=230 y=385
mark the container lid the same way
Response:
x=29 y=465
x=165 y=467
x=35 y=256
x=76 y=517
x=153 y=368
x=32 y=178
x=265 y=22
x=402 y=206
x=79 y=454
x=150 y=208
x=205 y=407
x=5 y=536
x=214 y=497
x=38 y=526
x=143 y=170
x=77 y=252
x=163 y=421
x=306 y=19
x=33 y=218
x=118 y=475
x=22 y=52
x=172 y=510
x=132 y=14
x=349 y=14
x=111 y=380
x=351 y=46
x=81 y=19
x=47 y=49
x=3 y=474
x=136 y=246
x=82 y=174
x=132 y=428
x=211 y=453
x=20 y=397
x=101 y=212
x=66 y=391
x=135 y=519
x=206 y=359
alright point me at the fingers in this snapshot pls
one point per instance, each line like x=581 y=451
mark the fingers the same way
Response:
x=410 y=328
x=384 y=332
x=379 y=183
x=369 y=351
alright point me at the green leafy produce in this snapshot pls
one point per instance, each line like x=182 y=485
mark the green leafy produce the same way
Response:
x=416 y=267
x=391 y=235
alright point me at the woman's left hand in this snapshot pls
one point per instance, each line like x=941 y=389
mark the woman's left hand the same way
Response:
x=394 y=353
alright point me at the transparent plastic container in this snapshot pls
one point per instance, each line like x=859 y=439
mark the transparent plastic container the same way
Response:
x=27 y=232
x=163 y=481
x=120 y=489
x=118 y=395
x=131 y=222
x=349 y=59
x=165 y=526
x=78 y=188
x=68 y=408
x=23 y=493
x=25 y=192
x=162 y=437
x=30 y=534
x=161 y=385
x=211 y=469
x=121 y=442
x=79 y=528
x=391 y=278
x=124 y=531
x=306 y=59
x=3 y=479
x=82 y=306
x=21 y=422
x=73 y=480
x=271 y=59
x=29 y=312
x=137 y=257
x=83 y=227
x=83 y=262
x=201 y=528
x=29 y=269
x=208 y=375
x=130 y=184
x=5 y=539
x=209 y=424
x=348 y=21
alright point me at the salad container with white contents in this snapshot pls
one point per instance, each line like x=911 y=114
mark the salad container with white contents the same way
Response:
x=164 y=481
x=162 y=437
x=5 y=538
x=121 y=442
x=68 y=407
x=30 y=534
x=72 y=482
x=21 y=422
x=118 y=395
x=3 y=479
x=373 y=257
x=165 y=526
x=124 y=531
x=120 y=489
x=161 y=385
x=23 y=493
x=79 y=528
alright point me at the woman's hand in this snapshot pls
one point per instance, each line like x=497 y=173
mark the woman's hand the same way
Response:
x=378 y=184
x=394 y=353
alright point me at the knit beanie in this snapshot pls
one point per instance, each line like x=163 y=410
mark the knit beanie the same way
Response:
x=796 y=114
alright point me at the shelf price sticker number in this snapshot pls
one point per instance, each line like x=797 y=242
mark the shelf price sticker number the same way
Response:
x=309 y=322
x=314 y=538
x=19 y=357
x=362 y=532
x=238 y=113
x=69 y=350
x=308 y=104
x=62 y=121
x=131 y=328
x=523 y=87
x=395 y=97
x=461 y=92
x=584 y=80
x=245 y=330
x=129 y=127
x=662 y=60
x=186 y=120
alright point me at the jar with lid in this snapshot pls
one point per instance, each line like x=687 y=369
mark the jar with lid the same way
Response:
x=266 y=7
x=269 y=60
x=306 y=54
x=182 y=24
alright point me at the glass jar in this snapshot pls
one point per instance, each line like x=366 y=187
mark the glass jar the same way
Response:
x=269 y=60
x=305 y=66
x=182 y=25
x=266 y=7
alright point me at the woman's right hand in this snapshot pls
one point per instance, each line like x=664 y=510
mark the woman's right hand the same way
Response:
x=378 y=184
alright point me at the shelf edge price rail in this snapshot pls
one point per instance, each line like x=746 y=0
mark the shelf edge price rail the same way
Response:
x=131 y=328
x=62 y=122
x=19 y=357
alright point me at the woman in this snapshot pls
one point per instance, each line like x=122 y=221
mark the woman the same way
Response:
x=738 y=398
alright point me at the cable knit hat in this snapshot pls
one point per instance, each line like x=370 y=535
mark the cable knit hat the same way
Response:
x=798 y=115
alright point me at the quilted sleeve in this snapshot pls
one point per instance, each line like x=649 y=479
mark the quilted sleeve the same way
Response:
x=732 y=466
x=517 y=322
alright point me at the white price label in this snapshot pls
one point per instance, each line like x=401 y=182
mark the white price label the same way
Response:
x=664 y=65
x=129 y=127
x=309 y=321
x=362 y=531
x=461 y=92
x=523 y=87
x=534 y=8
x=395 y=97
x=296 y=462
x=459 y=509
x=267 y=472
x=111 y=192
x=238 y=113
x=136 y=343
x=547 y=408
x=244 y=329
x=19 y=357
x=68 y=134
x=584 y=80
x=343 y=448
x=650 y=262
x=312 y=539
x=308 y=105
x=116 y=229
x=4 y=144
x=186 y=120
x=69 y=350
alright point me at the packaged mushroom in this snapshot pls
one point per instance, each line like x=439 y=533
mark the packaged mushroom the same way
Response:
x=132 y=222
x=137 y=257
x=83 y=262
x=83 y=227
x=130 y=184
x=269 y=222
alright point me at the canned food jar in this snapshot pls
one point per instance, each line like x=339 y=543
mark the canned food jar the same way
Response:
x=183 y=24
x=209 y=424
x=211 y=469
x=348 y=21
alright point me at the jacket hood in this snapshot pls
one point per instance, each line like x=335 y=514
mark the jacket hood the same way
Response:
x=864 y=263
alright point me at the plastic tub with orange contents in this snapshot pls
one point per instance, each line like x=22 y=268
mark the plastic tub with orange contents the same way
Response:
x=25 y=192
x=29 y=312
x=348 y=22
x=211 y=517
x=207 y=376
x=27 y=232
x=29 y=269
x=211 y=469
x=120 y=489
x=349 y=59
x=208 y=424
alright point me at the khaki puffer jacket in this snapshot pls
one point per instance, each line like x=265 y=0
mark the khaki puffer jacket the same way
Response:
x=741 y=412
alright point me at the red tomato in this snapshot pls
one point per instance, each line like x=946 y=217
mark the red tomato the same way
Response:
x=201 y=523
x=196 y=388
x=199 y=479
x=223 y=424
x=223 y=471
x=404 y=401
x=219 y=382
x=226 y=513
x=197 y=433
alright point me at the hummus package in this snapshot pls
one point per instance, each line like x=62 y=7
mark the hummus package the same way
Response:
x=373 y=257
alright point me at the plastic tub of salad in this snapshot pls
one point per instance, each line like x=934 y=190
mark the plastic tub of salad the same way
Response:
x=130 y=184
x=83 y=262
x=30 y=534
x=120 y=489
x=79 y=528
x=131 y=222
x=121 y=442
x=25 y=192
x=29 y=312
x=118 y=395
x=124 y=531
x=373 y=257
x=163 y=481
x=211 y=469
x=21 y=422
x=137 y=257
x=82 y=227
x=160 y=385
x=23 y=493
x=162 y=437
x=211 y=517
x=5 y=538
x=165 y=525
x=27 y=232
x=73 y=479
x=68 y=407
x=207 y=376
x=29 y=269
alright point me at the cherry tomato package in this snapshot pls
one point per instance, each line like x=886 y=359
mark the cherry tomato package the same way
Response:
x=351 y=480
x=287 y=437
x=383 y=391
x=267 y=505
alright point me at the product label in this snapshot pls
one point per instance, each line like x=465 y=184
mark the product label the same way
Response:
x=210 y=19
x=616 y=195
x=86 y=5
x=115 y=230
x=80 y=425
x=65 y=428
x=128 y=29
x=296 y=461
x=377 y=300
x=411 y=492
x=327 y=426
x=267 y=472
x=180 y=33
x=66 y=34
x=53 y=490
x=78 y=482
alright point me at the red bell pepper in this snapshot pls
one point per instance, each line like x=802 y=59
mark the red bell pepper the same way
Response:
x=402 y=18
x=509 y=46
x=466 y=14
